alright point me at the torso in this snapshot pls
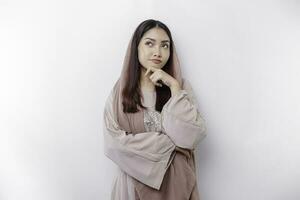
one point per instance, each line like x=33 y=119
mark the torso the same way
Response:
x=152 y=118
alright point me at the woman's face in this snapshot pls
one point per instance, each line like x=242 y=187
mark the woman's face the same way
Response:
x=154 y=48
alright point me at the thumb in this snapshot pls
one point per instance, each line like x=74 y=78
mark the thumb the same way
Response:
x=148 y=70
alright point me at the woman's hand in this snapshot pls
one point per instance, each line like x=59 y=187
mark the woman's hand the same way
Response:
x=159 y=74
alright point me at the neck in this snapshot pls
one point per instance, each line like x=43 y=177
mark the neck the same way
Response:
x=145 y=81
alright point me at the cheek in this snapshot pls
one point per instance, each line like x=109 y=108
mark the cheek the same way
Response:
x=142 y=56
x=146 y=52
x=165 y=59
x=166 y=56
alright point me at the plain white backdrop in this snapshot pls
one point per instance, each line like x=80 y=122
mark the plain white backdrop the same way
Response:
x=60 y=59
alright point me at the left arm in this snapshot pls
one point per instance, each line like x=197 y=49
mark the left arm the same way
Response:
x=181 y=120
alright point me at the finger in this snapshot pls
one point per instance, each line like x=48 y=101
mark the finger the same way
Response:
x=153 y=77
x=148 y=70
x=156 y=81
x=157 y=84
x=160 y=82
x=156 y=76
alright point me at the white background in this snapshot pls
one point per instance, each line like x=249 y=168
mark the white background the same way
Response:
x=59 y=60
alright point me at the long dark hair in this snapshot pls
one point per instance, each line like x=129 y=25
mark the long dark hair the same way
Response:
x=132 y=92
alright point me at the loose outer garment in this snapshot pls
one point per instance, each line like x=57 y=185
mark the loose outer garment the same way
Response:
x=160 y=162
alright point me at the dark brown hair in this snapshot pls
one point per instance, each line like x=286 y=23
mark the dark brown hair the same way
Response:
x=132 y=92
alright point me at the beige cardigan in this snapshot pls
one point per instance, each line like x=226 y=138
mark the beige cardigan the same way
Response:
x=146 y=156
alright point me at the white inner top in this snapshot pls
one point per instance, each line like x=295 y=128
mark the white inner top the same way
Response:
x=149 y=98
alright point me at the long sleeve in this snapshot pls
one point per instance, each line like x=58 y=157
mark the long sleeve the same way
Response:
x=144 y=156
x=181 y=119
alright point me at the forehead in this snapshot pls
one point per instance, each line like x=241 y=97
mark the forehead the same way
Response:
x=157 y=34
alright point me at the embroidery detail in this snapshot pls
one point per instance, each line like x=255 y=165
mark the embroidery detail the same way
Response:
x=152 y=120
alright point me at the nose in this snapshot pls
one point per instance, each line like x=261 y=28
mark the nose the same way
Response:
x=157 y=52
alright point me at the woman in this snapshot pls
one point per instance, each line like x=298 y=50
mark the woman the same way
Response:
x=151 y=121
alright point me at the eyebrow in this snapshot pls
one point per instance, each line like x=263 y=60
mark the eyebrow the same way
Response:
x=155 y=40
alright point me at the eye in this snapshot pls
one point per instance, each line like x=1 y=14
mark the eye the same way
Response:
x=149 y=43
x=166 y=46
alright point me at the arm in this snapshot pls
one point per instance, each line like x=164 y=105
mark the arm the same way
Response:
x=181 y=119
x=144 y=156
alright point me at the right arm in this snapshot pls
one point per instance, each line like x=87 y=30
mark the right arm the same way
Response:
x=144 y=156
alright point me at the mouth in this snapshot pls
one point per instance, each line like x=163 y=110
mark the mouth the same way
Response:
x=156 y=61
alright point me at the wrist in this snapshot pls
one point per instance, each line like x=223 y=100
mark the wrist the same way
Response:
x=175 y=88
x=175 y=85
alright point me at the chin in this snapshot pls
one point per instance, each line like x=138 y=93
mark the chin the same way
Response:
x=158 y=66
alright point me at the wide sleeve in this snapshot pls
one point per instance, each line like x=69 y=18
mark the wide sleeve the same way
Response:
x=181 y=119
x=144 y=156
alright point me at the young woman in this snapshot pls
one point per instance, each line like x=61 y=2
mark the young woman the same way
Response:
x=151 y=121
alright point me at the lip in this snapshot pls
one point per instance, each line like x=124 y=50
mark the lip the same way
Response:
x=156 y=61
